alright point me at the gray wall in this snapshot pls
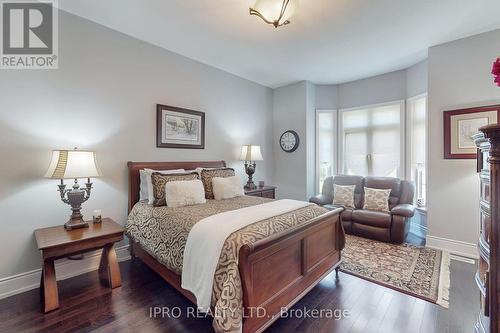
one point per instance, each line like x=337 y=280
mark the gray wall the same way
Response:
x=459 y=76
x=290 y=112
x=310 y=139
x=295 y=109
x=383 y=88
x=416 y=79
x=103 y=98
x=327 y=97
x=374 y=90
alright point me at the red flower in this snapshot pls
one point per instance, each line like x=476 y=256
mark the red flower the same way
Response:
x=496 y=68
x=496 y=71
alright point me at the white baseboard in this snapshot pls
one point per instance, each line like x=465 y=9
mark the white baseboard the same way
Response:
x=455 y=247
x=65 y=269
x=463 y=259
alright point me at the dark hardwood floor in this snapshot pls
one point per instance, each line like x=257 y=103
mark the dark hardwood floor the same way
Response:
x=86 y=307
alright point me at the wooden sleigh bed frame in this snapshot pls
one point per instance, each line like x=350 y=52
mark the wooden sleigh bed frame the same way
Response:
x=275 y=272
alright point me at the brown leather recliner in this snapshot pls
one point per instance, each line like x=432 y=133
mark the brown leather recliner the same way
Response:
x=388 y=227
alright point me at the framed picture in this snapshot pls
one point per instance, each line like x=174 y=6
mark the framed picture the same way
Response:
x=179 y=128
x=460 y=125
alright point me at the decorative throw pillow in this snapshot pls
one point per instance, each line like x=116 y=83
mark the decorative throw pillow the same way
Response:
x=208 y=174
x=184 y=193
x=343 y=195
x=159 y=181
x=225 y=188
x=146 y=188
x=377 y=199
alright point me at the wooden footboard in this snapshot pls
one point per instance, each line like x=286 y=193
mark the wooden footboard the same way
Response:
x=277 y=271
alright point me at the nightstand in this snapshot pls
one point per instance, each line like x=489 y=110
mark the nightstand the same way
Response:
x=56 y=243
x=265 y=192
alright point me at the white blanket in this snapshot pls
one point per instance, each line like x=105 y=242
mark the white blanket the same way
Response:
x=207 y=237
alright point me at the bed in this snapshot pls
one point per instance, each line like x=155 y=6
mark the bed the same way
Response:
x=275 y=270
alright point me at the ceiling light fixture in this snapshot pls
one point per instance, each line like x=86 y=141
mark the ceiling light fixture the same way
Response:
x=275 y=12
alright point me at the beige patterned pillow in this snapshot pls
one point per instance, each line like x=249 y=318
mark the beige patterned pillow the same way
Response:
x=377 y=199
x=159 y=180
x=208 y=174
x=343 y=195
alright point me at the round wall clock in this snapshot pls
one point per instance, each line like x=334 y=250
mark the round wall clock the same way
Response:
x=289 y=141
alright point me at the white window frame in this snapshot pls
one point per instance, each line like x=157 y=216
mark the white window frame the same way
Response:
x=402 y=147
x=409 y=130
x=334 y=114
x=409 y=136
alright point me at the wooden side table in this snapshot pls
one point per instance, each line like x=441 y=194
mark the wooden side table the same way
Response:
x=56 y=243
x=265 y=192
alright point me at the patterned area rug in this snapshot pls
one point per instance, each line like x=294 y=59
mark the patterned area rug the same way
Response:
x=418 y=271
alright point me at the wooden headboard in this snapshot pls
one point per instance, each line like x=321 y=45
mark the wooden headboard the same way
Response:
x=134 y=178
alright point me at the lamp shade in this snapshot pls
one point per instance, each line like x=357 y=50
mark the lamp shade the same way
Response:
x=72 y=164
x=276 y=11
x=250 y=153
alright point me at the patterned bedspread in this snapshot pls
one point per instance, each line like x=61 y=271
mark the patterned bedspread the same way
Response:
x=163 y=233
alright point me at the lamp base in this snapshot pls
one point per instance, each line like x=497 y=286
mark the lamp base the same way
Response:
x=250 y=186
x=250 y=170
x=75 y=197
x=75 y=224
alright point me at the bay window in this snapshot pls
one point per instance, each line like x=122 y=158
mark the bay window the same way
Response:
x=387 y=140
x=370 y=140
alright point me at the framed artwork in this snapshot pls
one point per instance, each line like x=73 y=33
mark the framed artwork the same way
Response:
x=460 y=125
x=179 y=128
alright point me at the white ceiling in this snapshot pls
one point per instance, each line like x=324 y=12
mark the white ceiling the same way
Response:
x=328 y=41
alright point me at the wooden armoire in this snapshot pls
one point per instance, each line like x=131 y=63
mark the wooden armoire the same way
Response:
x=488 y=273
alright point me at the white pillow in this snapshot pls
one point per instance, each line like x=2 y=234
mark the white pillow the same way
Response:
x=146 y=186
x=228 y=187
x=184 y=193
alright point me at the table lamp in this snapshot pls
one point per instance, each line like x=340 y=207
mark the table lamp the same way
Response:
x=250 y=154
x=74 y=164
